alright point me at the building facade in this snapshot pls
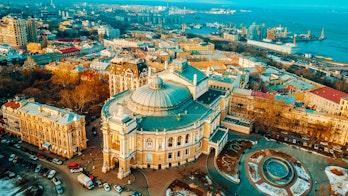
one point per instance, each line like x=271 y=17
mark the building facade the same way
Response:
x=327 y=100
x=126 y=75
x=13 y=32
x=57 y=130
x=163 y=124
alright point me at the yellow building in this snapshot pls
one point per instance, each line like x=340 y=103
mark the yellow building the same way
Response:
x=126 y=75
x=319 y=128
x=34 y=47
x=13 y=32
x=59 y=131
x=198 y=47
x=165 y=123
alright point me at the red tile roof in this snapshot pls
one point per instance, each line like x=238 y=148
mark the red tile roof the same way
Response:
x=329 y=93
x=68 y=50
x=12 y=104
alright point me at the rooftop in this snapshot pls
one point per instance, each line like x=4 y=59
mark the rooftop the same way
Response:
x=54 y=114
x=68 y=50
x=299 y=84
x=12 y=104
x=218 y=136
x=329 y=94
x=210 y=96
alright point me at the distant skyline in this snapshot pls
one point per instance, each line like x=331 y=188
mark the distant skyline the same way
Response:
x=329 y=4
x=340 y=4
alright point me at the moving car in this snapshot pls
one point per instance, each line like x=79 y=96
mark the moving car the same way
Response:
x=106 y=186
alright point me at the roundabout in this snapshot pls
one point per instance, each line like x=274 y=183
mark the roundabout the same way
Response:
x=276 y=173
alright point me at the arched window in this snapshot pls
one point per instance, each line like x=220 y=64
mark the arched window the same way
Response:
x=178 y=142
x=170 y=142
x=187 y=138
x=149 y=143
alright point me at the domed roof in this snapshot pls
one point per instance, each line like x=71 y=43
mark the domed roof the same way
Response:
x=159 y=98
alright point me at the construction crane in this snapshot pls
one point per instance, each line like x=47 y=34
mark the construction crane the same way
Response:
x=229 y=28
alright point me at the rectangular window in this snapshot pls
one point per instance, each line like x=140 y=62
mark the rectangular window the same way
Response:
x=187 y=151
x=178 y=154
x=169 y=155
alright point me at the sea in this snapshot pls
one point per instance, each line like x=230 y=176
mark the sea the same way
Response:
x=297 y=17
x=297 y=20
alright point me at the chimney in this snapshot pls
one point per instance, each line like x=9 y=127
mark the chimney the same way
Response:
x=195 y=79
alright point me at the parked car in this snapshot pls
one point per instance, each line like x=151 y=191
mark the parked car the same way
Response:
x=56 y=181
x=106 y=186
x=3 y=141
x=134 y=193
x=38 y=168
x=41 y=155
x=57 y=161
x=118 y=188
x=73 y=165
x=33 y=157
x=51 y=174
x=12 y=156
x=45 y=172
x=75 y=170
x=99 y=183
x=59 y=189
x=17 y=146
x=15 y=159
x=49 y=159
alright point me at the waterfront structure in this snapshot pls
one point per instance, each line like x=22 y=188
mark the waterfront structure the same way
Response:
x=327 y=100
x=170 y=121
x=59 y=131
x=126 y=74
x=13 y=32
x=287 y=48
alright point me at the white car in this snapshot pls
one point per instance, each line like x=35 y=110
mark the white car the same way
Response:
x=17 y=146
x=3 y=141
x=106 y=186
x=51 y=174
x=118 y=188
x=33 y=157
x=12 y=156
x=56 y=181
x=57 y=161
x=75 y=170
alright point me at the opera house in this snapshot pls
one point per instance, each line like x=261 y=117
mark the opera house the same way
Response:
x=170 y=121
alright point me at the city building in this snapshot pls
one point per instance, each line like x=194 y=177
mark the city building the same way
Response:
x=326 y=99
x=31 y=30
x=126 y=74
x=287 y=122
x=170 y=121
x=59 y=131
x=287 y=48
x=13 y=31
x=248 y=61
